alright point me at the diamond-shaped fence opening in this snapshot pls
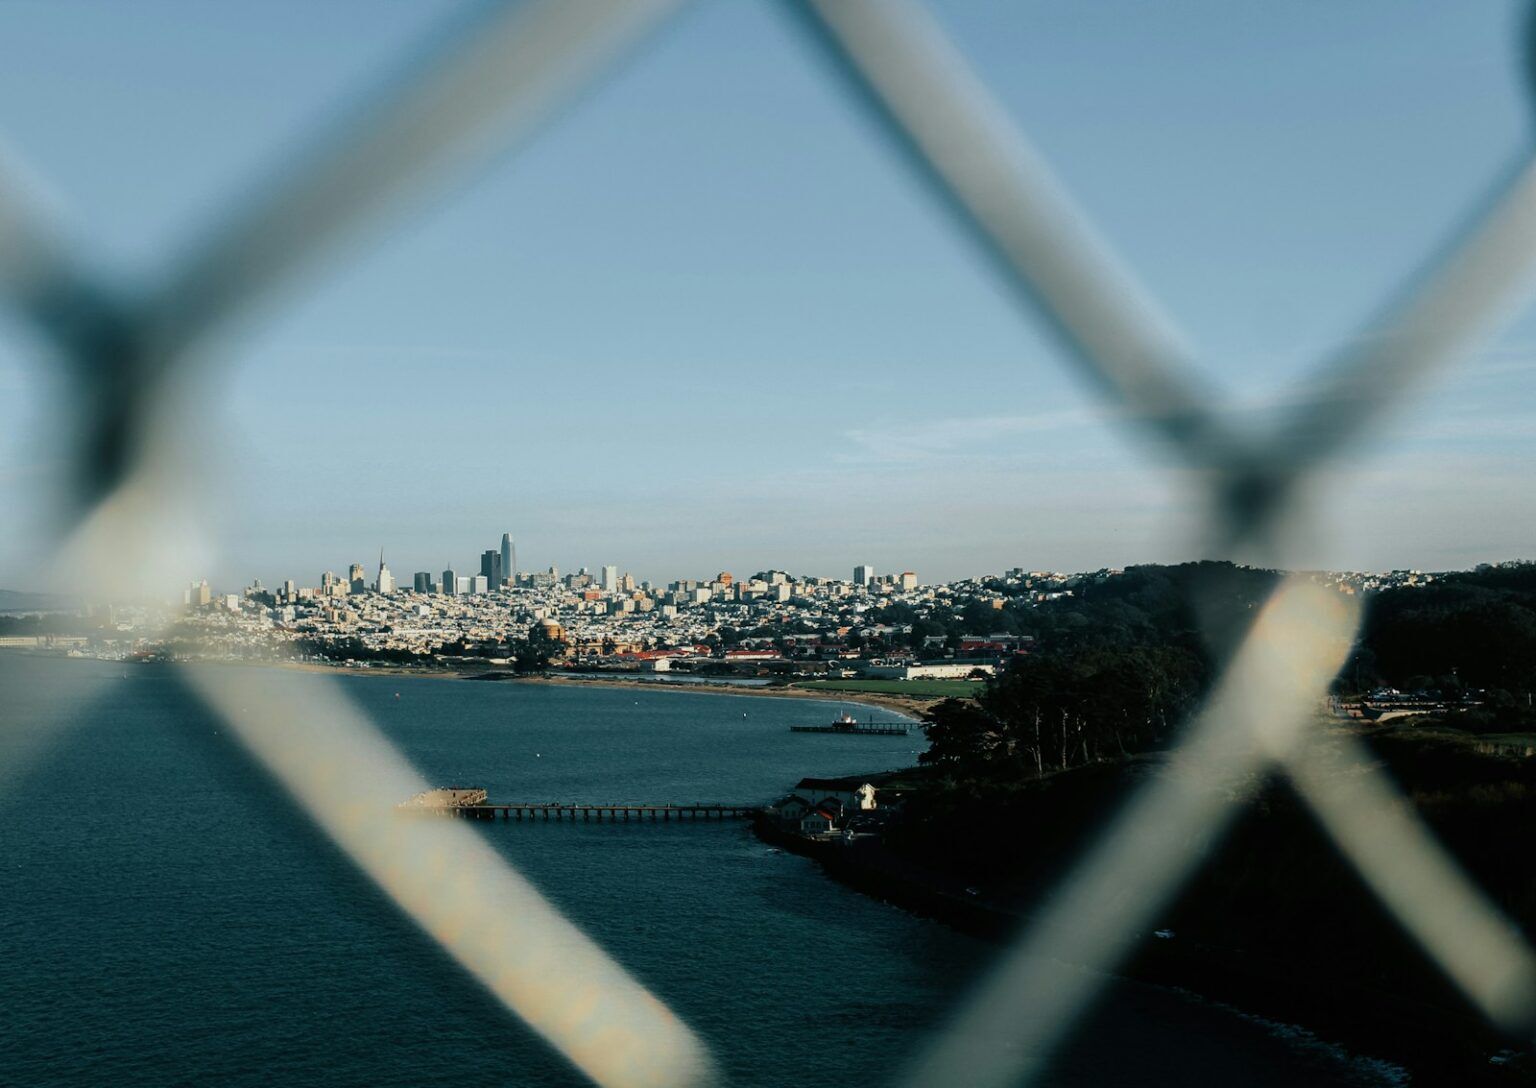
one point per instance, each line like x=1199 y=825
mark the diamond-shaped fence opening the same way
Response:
x=490 y=87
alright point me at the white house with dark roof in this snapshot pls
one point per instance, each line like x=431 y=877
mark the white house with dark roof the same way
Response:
x=853 y=794
x=791 y=808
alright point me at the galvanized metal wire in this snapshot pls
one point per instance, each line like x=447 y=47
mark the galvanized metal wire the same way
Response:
x=486 y=88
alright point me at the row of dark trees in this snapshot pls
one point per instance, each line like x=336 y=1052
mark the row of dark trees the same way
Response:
x=1057 y=711
x=1115 y=668
x=1468 y=635
x=530 y=654
x=1121 y=661
x=1475 y=629
x=354 y=649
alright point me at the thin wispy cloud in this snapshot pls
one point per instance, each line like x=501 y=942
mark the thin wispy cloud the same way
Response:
x=961 y=437
x=978 y=438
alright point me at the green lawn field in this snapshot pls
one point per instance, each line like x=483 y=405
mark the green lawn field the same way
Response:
x=958 y=689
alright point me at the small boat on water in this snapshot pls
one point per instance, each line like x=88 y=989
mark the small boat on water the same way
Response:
x=847 y=723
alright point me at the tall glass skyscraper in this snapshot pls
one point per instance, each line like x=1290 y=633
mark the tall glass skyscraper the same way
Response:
x=508 y=558
x=490 y=567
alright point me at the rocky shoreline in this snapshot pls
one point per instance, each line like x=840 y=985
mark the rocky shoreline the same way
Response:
x=1435 y=1046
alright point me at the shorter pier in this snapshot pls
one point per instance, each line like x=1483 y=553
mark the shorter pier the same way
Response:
x=854 y=730
x=848 y=725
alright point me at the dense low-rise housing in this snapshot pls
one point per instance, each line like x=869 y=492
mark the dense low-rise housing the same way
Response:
x=771 y=623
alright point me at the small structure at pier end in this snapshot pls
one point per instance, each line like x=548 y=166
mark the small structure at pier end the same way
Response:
x=846 y=723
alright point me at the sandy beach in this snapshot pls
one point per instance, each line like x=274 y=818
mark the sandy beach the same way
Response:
x=909 y=706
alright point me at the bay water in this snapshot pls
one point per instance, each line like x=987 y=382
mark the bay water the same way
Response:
x=167 y=917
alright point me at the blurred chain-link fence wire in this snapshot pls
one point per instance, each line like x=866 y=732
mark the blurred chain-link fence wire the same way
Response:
x=487 y=86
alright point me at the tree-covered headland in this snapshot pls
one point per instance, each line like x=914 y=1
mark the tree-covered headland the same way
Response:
x=1017 y=784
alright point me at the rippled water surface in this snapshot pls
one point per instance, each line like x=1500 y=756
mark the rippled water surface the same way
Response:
x=167 y=918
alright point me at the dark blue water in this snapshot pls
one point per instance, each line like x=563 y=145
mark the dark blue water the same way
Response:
x=166 y=918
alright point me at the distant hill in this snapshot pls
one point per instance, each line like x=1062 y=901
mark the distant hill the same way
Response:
x=1473 y=629
x=15 y=600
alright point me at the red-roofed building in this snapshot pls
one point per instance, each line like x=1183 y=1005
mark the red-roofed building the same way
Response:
x=822 y=820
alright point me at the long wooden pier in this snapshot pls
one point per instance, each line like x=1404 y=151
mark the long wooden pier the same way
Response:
x=555 y=810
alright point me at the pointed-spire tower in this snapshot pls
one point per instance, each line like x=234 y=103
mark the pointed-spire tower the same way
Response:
x=385 y=583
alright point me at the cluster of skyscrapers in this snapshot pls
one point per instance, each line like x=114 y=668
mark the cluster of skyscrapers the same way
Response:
x=498 y=567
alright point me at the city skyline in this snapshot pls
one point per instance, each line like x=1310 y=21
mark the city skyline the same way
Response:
x=858 y=573
x=659 y=570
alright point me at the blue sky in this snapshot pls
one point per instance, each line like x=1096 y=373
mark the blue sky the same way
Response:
x=708 y=321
